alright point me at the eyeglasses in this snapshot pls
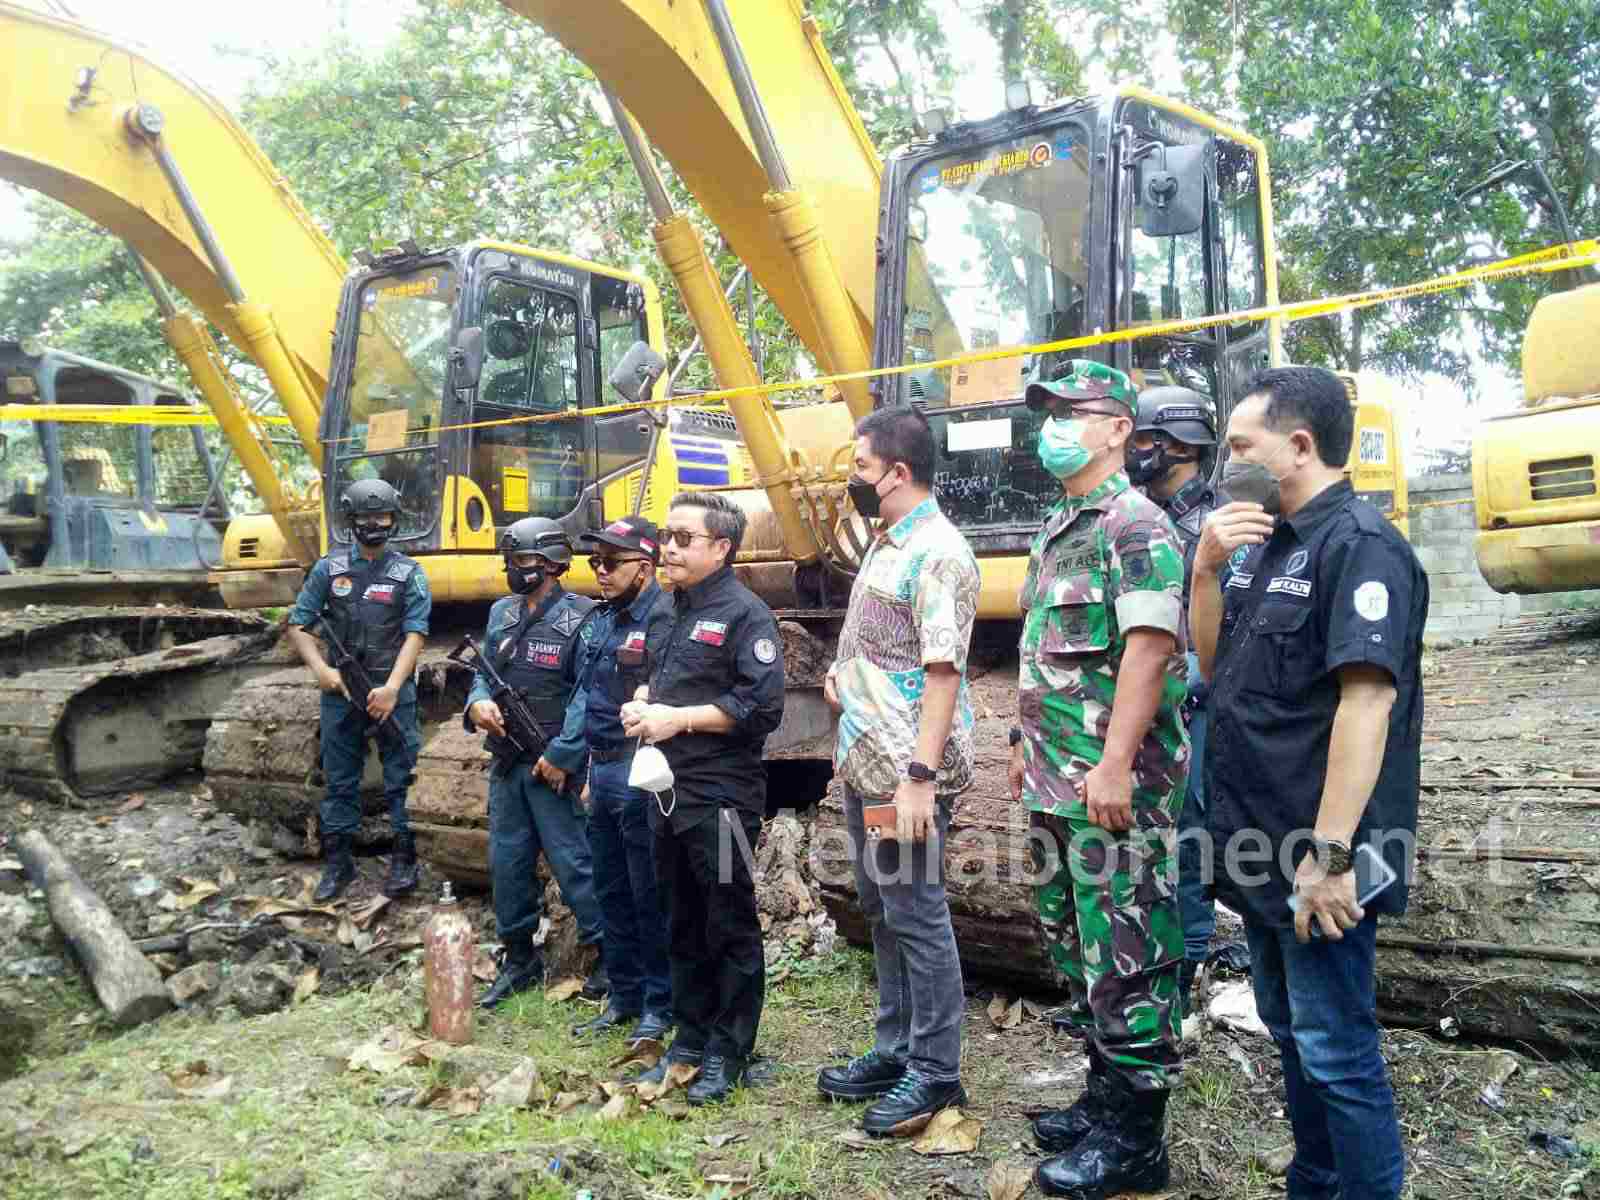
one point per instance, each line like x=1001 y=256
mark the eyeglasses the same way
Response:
x=682 y=537
x=604 y=566
x=1078 y=414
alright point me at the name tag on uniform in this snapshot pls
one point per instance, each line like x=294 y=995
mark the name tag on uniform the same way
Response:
x=712 y=633
x=543 y=654
x=1291 y=585
x=631 y=652
x=1240 y=580
x=383 y=593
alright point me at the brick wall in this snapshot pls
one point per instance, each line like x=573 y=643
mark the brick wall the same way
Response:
x=1461 y=605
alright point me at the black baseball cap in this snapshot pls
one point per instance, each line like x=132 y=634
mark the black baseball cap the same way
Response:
x=638 y=534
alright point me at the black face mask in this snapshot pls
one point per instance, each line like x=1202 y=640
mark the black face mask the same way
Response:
x=523 y=580
x=370 y=533
x=623 y=599
x=1147 y=466
x=864 y=494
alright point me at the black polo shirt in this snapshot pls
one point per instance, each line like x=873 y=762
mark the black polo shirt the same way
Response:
x=724 y=650
x=1335 y=584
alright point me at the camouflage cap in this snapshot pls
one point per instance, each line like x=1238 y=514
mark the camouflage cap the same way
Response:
x=1085 y=380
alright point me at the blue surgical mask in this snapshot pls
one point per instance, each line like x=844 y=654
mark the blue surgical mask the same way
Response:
x=1061 y=448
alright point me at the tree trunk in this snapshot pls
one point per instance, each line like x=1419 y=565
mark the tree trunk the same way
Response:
x=126 y=982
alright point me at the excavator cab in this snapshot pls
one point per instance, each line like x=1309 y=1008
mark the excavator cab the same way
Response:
x=464 y=378
x=103 y=495
x=1044 y=224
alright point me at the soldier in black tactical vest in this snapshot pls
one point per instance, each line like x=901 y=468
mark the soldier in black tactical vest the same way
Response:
x=1169 y=457
x=376 y=602
x=534 y=638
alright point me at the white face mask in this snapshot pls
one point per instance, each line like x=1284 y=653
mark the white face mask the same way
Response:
x=651 y=773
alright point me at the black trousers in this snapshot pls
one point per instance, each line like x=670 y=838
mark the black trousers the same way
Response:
x=719 y=976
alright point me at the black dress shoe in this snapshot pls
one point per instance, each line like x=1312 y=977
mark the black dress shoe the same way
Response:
x=718 y=1077
x=608 y=1020
x=1071 y=1021
x=598 y=984
x=518 y=973
x=658 y=1072
x=651 y=1027
x=864 y=1078
x=911 y=1104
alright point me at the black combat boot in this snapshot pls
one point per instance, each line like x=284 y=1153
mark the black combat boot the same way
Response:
x=337 y=868
x=1059 y=1131
x=1125 y=1153
x=910 y=1104
x=719 y=1075
x=402 y=866
x=522 y=968
x=863 y=1078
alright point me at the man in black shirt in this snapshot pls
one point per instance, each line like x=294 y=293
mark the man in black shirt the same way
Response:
x=1313 y=649
x=714 y=695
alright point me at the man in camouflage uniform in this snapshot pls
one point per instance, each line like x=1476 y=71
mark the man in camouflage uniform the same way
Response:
x=1100 y=759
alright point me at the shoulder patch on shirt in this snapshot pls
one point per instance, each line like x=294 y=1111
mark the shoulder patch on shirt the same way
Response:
x=400 y=570
x=1236 y=559
x=339 y=563
x=1372 y=600
x=343 y=585
x=1137 y=566
x=712 y=633
x=766 y=651
x=568 y=620
x=1297 y=562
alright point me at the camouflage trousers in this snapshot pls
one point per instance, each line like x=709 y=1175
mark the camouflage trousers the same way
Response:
x=1109 y=915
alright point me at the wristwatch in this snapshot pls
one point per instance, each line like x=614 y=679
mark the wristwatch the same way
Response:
x=1333 y=857
x=920 y=772
x=1015 y=735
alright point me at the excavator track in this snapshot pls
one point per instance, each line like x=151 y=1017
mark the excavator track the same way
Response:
x=1502 y=939
x=101 y=700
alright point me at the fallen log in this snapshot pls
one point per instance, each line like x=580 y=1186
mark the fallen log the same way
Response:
x=127 y=983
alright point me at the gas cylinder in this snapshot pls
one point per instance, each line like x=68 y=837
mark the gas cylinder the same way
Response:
x=448 y=951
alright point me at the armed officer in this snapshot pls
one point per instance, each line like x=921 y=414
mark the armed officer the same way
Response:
x=715 y=694
x=376 y=603
x=533 y=639
x=631 y=633
x=1169 y=455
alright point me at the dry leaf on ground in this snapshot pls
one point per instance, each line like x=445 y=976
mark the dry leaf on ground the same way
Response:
x=347 y=931
x=394 y=1048
x=199 y=889
x=484 y=969
x=518 y=1089
x=228 y=877
x=718 y=1140
x=950 y=1132
x=644 y=1054
x=858 y=1139
x=1005 y=1014
x=363 y=916
x=678 y=1075
x=194 y=1081
x=306 y=984
x=1007 y=1181
x=132 y=802
x=458 y=1102
x=564 y=990
x=616 y=1108
x=567 y=1101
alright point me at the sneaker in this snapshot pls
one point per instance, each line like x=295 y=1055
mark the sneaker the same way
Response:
x=864 y=1078
x=910 y=1104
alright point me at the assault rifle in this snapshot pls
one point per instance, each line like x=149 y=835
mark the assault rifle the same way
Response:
x=524 y=734
x=358 y=686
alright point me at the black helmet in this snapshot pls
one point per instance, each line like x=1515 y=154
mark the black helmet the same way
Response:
x=369 y=496
x=538 y=535
x=1181 y=413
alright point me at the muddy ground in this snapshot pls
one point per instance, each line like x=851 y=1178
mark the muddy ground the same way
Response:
x=89 y=1110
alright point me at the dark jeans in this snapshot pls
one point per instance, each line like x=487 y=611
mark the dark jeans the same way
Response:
x=719 y=974
x=1196 y=908
x=1318 y=1002
x=920 y=998
x=526 y=817
x=625 y=886
x=344 y=754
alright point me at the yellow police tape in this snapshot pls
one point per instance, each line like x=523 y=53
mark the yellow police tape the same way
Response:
x=119 y=414
x=1554 y=258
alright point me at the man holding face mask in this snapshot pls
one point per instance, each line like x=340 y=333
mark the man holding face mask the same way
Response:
x=1313 y=643
x=1100 y=758
x=534 y=637
x=715 y=693
x=905 y=745
x=630 y=635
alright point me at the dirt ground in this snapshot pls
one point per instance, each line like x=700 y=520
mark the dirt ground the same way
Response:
x=247 y=1091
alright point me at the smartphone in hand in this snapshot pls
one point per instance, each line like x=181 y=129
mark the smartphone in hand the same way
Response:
x=1373 y=877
